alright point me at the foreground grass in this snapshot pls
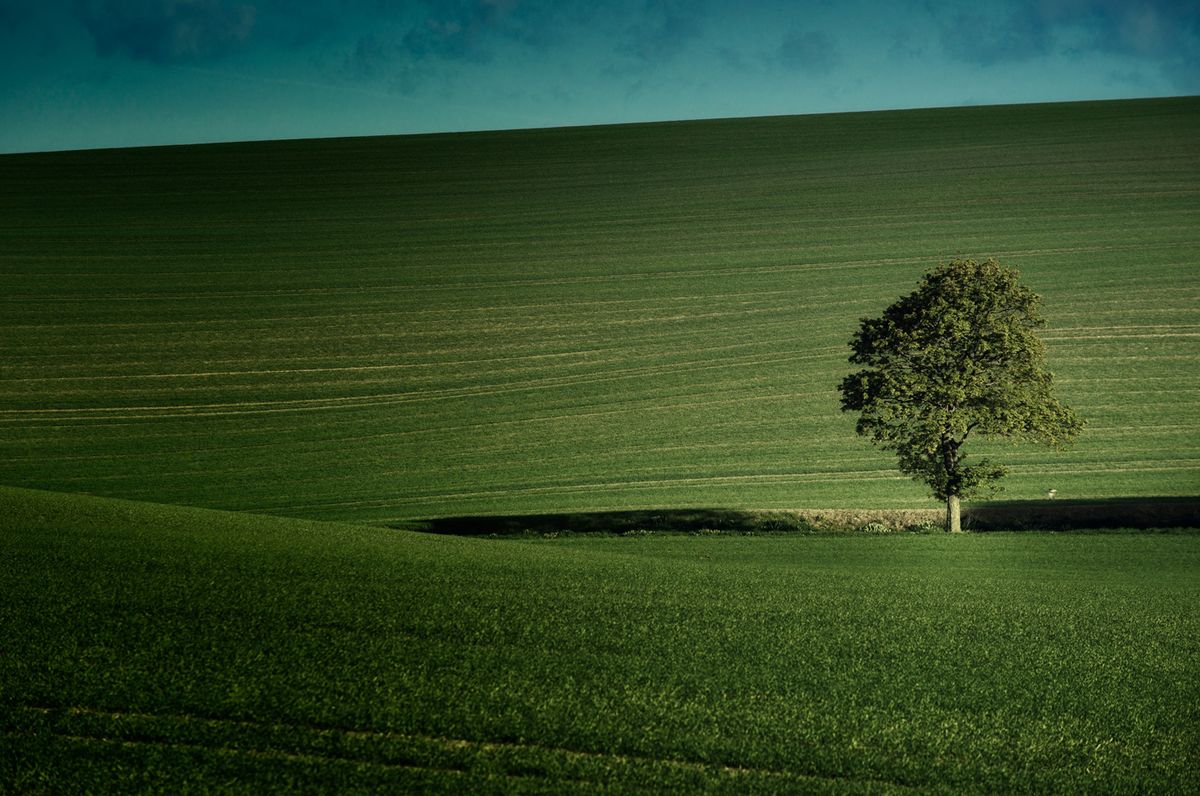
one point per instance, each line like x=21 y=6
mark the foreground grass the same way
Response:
x=583 y=319
x=149 y=647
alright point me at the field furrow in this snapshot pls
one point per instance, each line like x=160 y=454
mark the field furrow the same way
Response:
x=616 y=317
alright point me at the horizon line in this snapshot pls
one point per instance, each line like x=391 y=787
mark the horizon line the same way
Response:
x=641 y=122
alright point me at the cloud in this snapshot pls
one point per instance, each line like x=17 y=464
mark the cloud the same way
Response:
x=167 y=31
x=661 y=31
x=905 y=45
x=1133 y=79
x=1165 y=33
x=12 y=14
x=406 y=53
x=454 y=32
x=813 y=52
x=377 y=60
x=371 y=58
x=413 y=44
x=1183 y=71
x=983 y=40
x=300 y=26
x=471 y=30
x=732 y=59
x=1134 y=27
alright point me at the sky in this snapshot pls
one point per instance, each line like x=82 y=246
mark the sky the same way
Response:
x=77 y=74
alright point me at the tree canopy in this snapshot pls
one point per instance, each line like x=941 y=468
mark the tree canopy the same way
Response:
x=958 y=358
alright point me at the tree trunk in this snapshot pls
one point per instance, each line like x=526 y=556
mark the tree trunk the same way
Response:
x=953 y=515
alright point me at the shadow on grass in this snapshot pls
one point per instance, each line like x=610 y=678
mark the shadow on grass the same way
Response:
x=1067 y=515
x=1043 y=515
x=615 y=522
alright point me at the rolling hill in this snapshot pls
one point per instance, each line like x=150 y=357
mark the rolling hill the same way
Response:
x=580 y=319
x=152 y=648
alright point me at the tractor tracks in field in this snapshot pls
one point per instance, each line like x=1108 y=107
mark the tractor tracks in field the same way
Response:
x=538 y=280
x=315 y=744
x=412 y=396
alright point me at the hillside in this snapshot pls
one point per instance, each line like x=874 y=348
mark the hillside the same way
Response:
x=593 y=318
x=152 y=648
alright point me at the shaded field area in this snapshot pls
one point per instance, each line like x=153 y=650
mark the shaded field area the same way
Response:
x=1060 y=515
x=162 y=648
x=580 y=320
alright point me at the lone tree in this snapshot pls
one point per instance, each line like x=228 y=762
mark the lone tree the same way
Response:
x=957 y=358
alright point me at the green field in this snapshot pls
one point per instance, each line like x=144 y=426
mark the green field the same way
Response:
x=163 y=648
x=642 y=324
x=580 y=319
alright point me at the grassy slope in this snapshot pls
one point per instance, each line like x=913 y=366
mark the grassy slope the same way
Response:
x=595 y=318
x=157 y=647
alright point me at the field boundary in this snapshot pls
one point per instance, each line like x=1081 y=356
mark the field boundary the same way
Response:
x=1040 y=515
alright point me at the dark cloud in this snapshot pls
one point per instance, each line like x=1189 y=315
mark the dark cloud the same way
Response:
x=404 y=54
x=660 y=31
x=298 y=26
x=1167 y=33
x=167 y=31
x=1140 y=28
x=983 y=40
x=12 y=14
x=454 y=31
x=371 y=58
x=812 y=52
x=1163 y=32
x=470 y=30
x=376 y=59
x=414 y=44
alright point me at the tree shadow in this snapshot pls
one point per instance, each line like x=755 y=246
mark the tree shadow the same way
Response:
x=1100 y=514
x=689 y=520
x=1015 y=515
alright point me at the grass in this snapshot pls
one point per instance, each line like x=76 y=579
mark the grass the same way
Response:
x=589 y=319
x=153 y=647
x=594 y=324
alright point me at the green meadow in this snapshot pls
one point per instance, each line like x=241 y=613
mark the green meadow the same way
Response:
x=225 y=370
x=603 y=318
x=170 y=649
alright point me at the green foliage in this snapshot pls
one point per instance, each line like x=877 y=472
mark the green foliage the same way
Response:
x=152 y=648
x=957 y=357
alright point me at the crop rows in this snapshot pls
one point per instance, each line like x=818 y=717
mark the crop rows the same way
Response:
x=596 y=318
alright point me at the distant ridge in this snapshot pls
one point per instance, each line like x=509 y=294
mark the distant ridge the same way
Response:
x=1140 y=101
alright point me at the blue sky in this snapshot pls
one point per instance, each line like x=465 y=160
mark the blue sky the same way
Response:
x=104 y=73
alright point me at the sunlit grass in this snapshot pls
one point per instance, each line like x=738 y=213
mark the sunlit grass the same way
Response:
x=596 y=318
x=159 y=647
